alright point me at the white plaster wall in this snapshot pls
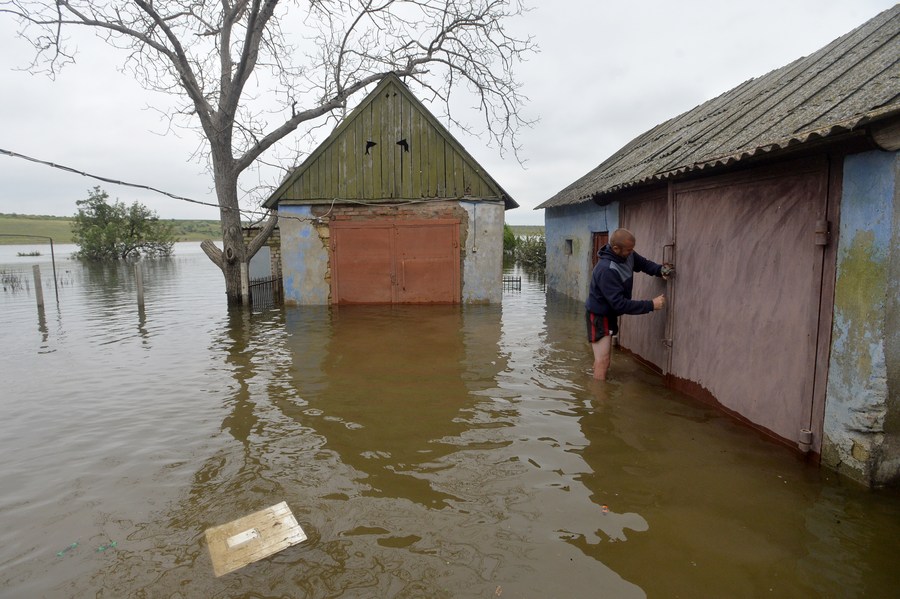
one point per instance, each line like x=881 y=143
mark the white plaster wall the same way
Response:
x=862 y=423
x=570 y=274
x=483 y=264
x=304 y=260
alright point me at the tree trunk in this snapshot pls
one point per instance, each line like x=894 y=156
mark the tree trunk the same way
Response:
x=234 y=250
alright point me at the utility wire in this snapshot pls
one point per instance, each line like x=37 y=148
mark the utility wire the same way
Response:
x=249 y=213
x=105 y=179
x=69 y=169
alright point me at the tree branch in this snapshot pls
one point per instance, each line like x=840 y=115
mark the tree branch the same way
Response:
x=264 y=233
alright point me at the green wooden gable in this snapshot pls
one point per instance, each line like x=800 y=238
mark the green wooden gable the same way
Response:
x=389 y=148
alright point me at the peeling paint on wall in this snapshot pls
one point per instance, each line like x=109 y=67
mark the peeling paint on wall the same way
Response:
x=858 y=390
x=859 y=303
x=304 y=261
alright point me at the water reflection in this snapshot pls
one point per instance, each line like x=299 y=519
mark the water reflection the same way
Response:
x=42 y=324
x=393 y=391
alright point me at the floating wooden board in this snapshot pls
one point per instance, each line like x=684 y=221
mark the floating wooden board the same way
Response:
x=252 y=538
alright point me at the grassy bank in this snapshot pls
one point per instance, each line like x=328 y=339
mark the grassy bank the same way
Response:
x=60 y=229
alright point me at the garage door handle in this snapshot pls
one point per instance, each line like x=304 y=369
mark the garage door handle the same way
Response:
x=671 y=253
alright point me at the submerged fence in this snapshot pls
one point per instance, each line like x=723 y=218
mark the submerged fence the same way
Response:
x=266 y=292
x=511 y=283
x=535 y=277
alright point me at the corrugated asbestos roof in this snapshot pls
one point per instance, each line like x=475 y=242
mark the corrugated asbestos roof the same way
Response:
x=853 y=81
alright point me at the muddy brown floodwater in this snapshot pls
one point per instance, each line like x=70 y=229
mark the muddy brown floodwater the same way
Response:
x=427 y=451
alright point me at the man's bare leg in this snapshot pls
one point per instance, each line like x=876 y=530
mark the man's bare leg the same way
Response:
x=602 y=350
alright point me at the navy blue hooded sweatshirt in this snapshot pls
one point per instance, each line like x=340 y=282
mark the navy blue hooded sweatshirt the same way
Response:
x=613 y=280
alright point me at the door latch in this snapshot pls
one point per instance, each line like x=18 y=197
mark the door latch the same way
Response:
x=823 y=232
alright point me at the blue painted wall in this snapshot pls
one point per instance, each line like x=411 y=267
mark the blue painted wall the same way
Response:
x=570 y=274
x=304 y=257
x=861 y=411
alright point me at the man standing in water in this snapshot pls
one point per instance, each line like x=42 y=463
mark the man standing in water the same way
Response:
x=610 y=294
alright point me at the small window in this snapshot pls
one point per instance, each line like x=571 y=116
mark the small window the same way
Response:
x=569 y=247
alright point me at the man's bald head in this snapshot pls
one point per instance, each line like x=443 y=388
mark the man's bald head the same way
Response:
x=622 y=242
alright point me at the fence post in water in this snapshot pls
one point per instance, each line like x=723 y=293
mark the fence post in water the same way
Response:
x=38 y=290
x=139 y=279
x=245 y=285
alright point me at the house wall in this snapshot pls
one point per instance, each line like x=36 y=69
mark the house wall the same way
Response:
x=862 y=411
x=483 y=262
x=570 y=274
x=304 y=256
x=305 y=252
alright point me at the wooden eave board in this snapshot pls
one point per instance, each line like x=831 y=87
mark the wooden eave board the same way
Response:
x=252 y=538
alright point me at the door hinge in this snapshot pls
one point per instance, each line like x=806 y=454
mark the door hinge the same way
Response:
x=667 y=342
x=823 y=232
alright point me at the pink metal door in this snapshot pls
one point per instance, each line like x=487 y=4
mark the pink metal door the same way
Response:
x=647 y=217
x=747 y=290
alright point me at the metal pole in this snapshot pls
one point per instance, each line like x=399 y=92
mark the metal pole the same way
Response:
x=52 y=255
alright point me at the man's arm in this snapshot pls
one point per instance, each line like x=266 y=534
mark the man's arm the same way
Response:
x=614 y=292
x=650 y=267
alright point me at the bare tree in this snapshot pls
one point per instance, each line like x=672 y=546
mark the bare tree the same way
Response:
x=248 y=73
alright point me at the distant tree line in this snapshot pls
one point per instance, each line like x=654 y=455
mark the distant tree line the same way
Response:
x=32 y=227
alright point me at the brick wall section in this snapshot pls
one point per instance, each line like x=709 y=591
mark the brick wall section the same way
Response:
x=433 y=209
x=420 y=210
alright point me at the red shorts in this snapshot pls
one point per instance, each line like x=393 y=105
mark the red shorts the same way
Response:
x=599 y=327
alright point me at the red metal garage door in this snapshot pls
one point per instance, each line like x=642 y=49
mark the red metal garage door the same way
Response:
x=408 y=262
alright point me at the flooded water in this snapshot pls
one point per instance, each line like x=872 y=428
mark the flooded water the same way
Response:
x=426 y=451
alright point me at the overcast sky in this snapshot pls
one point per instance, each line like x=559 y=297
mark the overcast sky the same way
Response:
x=607 y=71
